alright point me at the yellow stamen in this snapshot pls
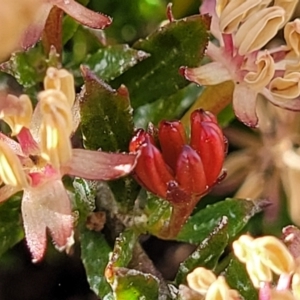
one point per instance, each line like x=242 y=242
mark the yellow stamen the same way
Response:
x=200 y=280
x=56 y=127
x=60 y=80
x=259 y=29
x=292 y=36
x=17 y=113
x=220 y=290
x=274 y=254
x=234 y=12
x=264 y=73
x=11 y=171
x=287 y=87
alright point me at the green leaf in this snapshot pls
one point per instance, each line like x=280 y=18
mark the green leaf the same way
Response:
x=122 y=252
x=135 y=285
x=110 y=62
x=95 y=255
x=207 y=253
x=169 y=108
x=106 y=115
x=27 y=67
x=11 y=230
x=238 y=212
x=238 y=279
x=106 y=123
x=84 y=199
x=179 y=43
x=158 y=212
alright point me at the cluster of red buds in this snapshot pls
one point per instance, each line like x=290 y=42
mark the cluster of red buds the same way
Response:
x=178 y=171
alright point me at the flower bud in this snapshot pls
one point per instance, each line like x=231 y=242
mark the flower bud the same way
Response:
x=190 y=173
x=208 y=140
x=172 y=138
x=151 y=170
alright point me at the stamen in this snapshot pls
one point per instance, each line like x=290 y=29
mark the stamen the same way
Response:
x=56 y=128
x=11 y=171
x=16 y=112
x=60 y=80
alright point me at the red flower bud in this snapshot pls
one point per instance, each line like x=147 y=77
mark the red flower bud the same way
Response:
x=208 y=140
x=180 y=172
x=172 y=138
x=151 y=170
x=190 y=173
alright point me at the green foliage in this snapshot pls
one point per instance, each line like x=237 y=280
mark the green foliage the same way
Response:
x=237 y=277
x=110 y=62
x=11 y=231
x=179 y=43
x=207 y=253
x=95 y=254
x=199 y=225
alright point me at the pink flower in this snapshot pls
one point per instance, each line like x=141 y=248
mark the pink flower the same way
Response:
x=242 y=31
x=43 y=155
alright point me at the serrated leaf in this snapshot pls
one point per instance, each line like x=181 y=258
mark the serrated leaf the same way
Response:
x=199 y=225
x=135 y=285
x=95 y=255
x=106 y=123
x=168 y=109
x=238 y=279
x=207 y=253
x=106 y=116
x=11 y=230
x=179 y=43
x=110 y=62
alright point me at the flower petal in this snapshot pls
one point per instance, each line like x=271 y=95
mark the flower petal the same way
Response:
x=209 y=74
x=46 y=206
x=244 y=104
x=259 y=29
x=97 y=165
x=82 y=14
